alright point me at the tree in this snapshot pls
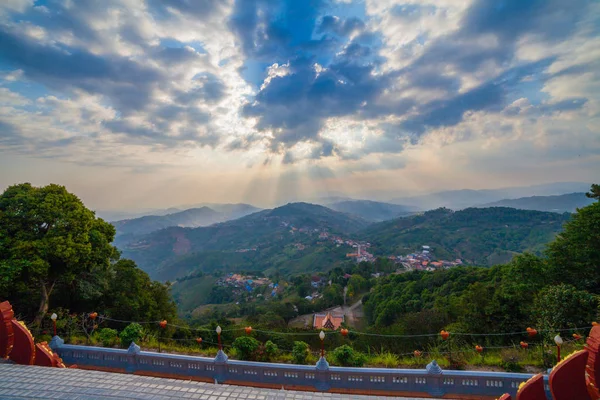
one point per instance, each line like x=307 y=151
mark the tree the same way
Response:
x=48 y=238
x=133 y=296
x=574 y=256
x=594 y=192
x=563 y=306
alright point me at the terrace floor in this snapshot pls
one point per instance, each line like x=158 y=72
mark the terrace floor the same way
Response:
x=30 y=382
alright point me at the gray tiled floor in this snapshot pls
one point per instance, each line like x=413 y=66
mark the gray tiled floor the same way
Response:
x=28 y=382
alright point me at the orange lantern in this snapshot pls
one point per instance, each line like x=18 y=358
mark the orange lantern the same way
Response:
x=576 y=336
x=344 y=332
x=199 y=340
x=417 y=353
x=445 y=334
x=531 y=332
x=248 y=330
x=479 y=348
x=163 y=323
x=93 y=315
x=524 y=345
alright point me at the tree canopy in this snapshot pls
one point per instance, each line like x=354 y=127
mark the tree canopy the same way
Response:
x=54 y=252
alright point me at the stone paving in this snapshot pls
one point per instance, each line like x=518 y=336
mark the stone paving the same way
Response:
x=30 y=382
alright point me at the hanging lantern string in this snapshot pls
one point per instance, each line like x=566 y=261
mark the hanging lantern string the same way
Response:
x=104 y=318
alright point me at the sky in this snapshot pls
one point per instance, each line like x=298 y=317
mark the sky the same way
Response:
x=136 y=104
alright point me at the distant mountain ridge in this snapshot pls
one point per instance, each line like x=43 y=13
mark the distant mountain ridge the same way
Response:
x=562 y=203
x=373 y=210
x=191 y=218
x=460 y=199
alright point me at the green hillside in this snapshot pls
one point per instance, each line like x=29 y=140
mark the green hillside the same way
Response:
x=482 y=236
x=260 y=241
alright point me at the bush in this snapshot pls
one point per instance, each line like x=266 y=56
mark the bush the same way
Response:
x=300 y=352
x=107 y=336
x=132 y=332
x=246 y=347
x=271 y=350
x=348 y=357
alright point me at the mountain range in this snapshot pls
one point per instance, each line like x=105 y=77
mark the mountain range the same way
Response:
x=373 y=210
x=459 y=199
x=562 y=203
x=263 y=240
x=291 y=239
x=191 y=218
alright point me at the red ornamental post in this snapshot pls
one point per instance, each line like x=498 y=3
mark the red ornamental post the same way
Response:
x=218 y=330
x=558 y=340
x=53 y=317
x=322 y=337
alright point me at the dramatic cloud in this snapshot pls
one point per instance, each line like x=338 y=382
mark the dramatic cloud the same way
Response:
x=326 y=89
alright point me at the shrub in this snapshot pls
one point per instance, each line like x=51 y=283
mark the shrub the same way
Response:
x=271 y=350
x=132 y=332
x=107 y=337
x=300 y=352
x=348 y=357
x=246 y=347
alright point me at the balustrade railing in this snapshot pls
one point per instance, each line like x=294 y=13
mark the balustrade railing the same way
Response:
x=432 y=381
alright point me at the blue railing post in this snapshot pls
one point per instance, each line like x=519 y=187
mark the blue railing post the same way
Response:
x=435 y=382
x=221 y=367
x=322 y=375
x=132 y=353
x=56 y=343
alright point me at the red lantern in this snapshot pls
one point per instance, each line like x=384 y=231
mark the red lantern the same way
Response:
x=248 y=330
x=445 y=335
x=93 y=315
x=479 y=348
x=594 y=323
x=532 y=332
x=199 y=340
x=163 y=323
x=344 y=332
x=524 y=345
x=417 y=353
x=576 y=336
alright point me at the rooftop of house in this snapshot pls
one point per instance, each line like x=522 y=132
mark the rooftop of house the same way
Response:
x=327 y=321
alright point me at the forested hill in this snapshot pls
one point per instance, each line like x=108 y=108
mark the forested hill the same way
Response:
x=257 y=241
x=483 y=236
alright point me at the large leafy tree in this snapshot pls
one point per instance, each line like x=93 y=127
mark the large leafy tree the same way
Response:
x=48 y=238
x=574 y=256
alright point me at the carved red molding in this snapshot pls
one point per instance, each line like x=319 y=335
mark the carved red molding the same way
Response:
x=533 y=389
x=44 y=356
x=23 y=351
x=6 y=331
x=567 y=379
x=592 y=372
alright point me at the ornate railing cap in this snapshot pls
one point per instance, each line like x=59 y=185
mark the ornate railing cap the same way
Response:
x=133 y=348
x=433 y=368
